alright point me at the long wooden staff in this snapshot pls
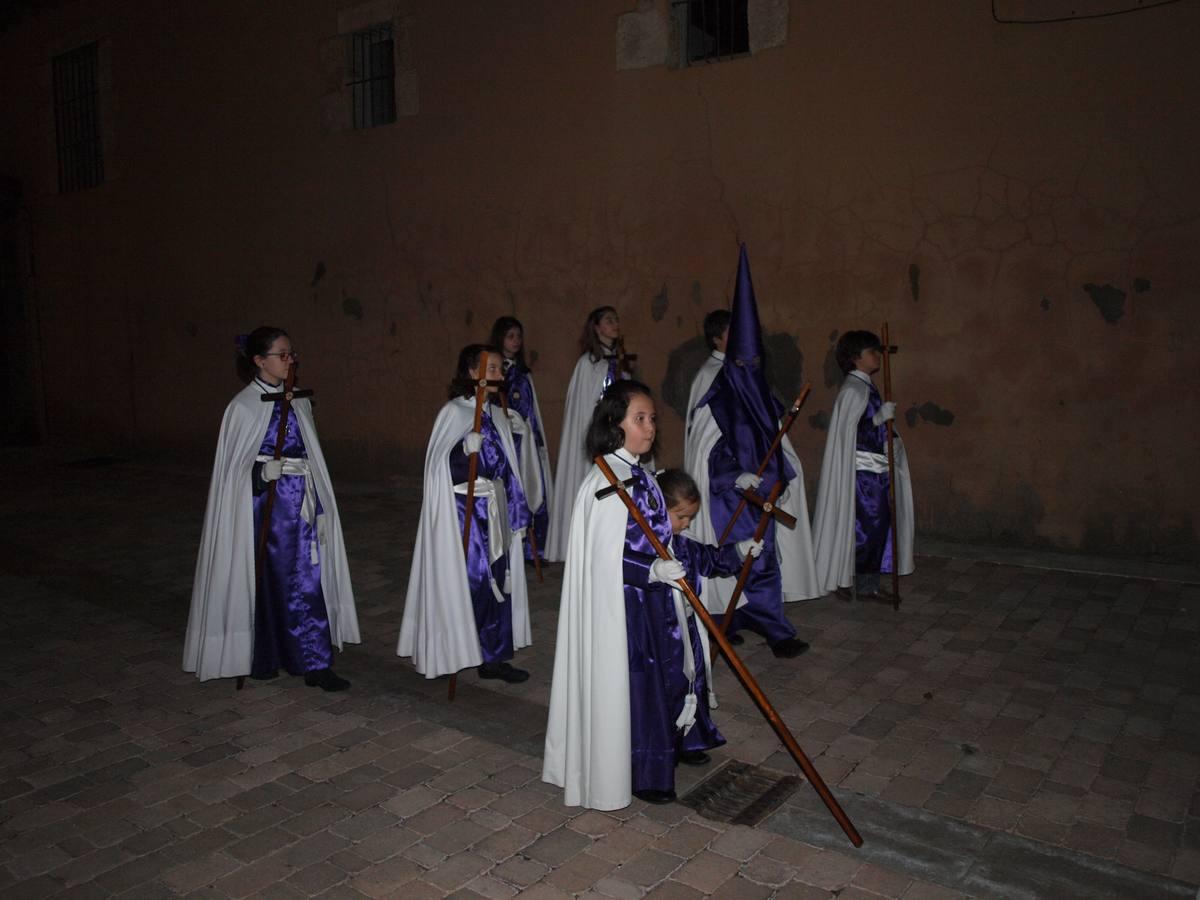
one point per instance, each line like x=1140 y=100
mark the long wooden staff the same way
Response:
x=285 y=406
x=763 y=521
x=887 y=396
x=529 y=532
x=481 y=386
x=793 y=411
x=743 y=674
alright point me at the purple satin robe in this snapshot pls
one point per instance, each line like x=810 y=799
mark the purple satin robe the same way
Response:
x=493 y=619
x=657 y=684
x=518 y=388
x=872 y=514
x=763 y=612
x=291 y=624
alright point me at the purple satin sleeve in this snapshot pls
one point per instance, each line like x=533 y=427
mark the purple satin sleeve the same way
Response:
x=706 y=559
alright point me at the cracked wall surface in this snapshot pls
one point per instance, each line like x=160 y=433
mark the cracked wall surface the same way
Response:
x=1021 y=204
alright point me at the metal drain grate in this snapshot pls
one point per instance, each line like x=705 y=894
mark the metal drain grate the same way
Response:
x=740 y=794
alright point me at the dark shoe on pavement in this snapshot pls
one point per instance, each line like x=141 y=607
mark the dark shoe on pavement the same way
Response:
x=657 y=797
x=736 y=639
x=694 y=757
x=326 y=680
x=789 y=648
x=504 y=671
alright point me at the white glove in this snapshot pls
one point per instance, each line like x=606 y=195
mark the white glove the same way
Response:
x=272 y=470
x=753 y=548
x=472 y=442
x=886 y=413
x=748 y=481
x=667 y=571
x=517 y=421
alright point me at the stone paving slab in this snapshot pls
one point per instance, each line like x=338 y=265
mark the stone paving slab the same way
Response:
x=1032 y=732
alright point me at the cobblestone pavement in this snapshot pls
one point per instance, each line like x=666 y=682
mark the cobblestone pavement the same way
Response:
x=1009 y=732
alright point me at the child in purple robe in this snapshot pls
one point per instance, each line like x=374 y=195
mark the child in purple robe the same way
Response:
x=852 y=522
x=627 y=688
x=682 y=496
x=509 y=335
x=253 y=615
x=469 y=609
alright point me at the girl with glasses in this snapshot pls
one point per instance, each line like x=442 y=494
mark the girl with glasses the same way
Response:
x=299 y=605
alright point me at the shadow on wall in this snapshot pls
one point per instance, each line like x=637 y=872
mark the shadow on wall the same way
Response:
x=784 y=369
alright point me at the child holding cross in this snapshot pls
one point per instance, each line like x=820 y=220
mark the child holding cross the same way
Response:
x=469 y=607
x=298 y=605
x=629 y=699
x=852 y=534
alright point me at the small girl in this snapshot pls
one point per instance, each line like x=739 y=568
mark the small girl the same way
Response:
x=623 y=702
x=469 y=609
x=300 y=605
x=682 y=497
x=509 y=335
x=596 y=369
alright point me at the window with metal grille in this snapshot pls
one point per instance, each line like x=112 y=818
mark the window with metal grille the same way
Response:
x=373 y=76
x=711 y=29
x=77 y=119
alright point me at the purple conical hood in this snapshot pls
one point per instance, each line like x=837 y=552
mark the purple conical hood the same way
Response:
x=740 y=399
x=745 y=335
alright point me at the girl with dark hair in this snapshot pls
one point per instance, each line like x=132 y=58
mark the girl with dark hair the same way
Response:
x=509 y=335
x=469 y=608
x=625 y=703
x=301 y=604
x=852 y=534
x=596 y=370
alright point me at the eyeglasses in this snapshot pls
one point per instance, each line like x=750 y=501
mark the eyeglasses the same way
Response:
x=285 y=355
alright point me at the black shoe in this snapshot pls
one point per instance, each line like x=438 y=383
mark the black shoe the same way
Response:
x=326 y=680
x=504 y=672
x=656 y=797
x=694 y=757
x=736 y=639
x=789 y=648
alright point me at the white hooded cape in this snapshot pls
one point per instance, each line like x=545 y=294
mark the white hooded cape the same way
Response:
x=588 y=732
x=220 y=630
x=438 y=629
x=833 y=514
x=700 y=385
x=793 y=546
x=583 y=393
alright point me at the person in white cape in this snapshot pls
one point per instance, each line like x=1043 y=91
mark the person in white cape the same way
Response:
x=301 y=606
x=852 y=531
x=509 y=335
x=716 y=335
x=628 y=691
x=469 y=609
x=596 y=369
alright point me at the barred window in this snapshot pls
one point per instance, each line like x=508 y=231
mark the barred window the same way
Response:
x=372 y=76
x=711 y=29
x=77 y=119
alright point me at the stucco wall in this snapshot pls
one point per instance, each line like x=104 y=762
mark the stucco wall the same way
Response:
x=1019 y=202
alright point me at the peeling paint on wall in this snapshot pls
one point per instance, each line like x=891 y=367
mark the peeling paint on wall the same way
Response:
x=929 y=412
x=191 y=329
x=1109 y=300
x=697 y=296
x=318 y=273
x=819 y=420
x=784 y=365
x=914 y=281
x=351 y=307
x=682 y=364
x=469 y=317
x=658 y=306
x=1045 y=304
x=392 y=328
x=1141 y=285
